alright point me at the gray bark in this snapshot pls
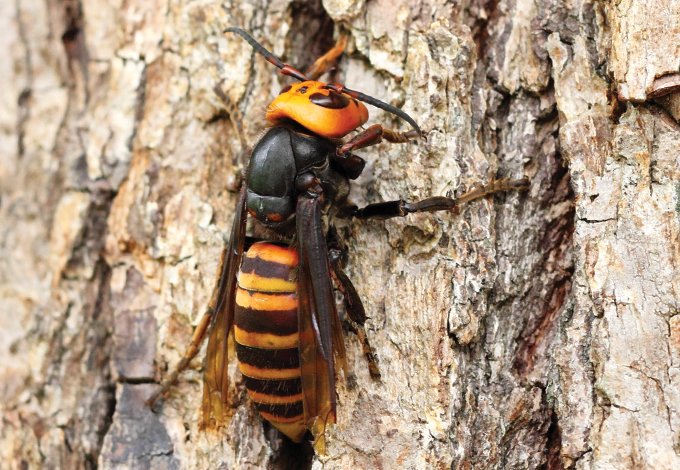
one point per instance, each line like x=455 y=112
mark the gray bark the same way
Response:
x=528 y=330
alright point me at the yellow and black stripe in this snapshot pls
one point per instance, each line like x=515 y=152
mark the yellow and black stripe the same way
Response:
x=266 y=333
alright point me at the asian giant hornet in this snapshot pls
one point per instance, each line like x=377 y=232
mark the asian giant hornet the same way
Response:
x=276 y=294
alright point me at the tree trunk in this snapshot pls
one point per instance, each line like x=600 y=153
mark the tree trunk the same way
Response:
x=528 y=330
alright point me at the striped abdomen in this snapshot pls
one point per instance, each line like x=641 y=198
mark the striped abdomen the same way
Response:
x=266 y=333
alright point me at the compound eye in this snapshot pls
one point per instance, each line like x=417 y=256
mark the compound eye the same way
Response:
x=333 y=100
x=285 y=89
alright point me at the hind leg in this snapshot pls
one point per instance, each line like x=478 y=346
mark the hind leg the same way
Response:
x=353 y=305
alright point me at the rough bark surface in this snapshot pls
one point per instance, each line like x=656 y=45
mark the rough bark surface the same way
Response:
x=534 y=330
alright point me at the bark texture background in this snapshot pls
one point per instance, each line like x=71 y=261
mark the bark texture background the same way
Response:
x=532 y=330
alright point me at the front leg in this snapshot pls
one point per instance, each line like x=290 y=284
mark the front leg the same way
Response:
x=374 y=135
x=326 y=61
x=401 y=208
x=352 y=165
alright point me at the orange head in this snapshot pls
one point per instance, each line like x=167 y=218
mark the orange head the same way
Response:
x=319 y=108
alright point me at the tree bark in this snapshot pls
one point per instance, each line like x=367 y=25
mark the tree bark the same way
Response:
x=533 y=330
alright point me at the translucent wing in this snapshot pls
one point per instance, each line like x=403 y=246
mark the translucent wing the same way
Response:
x=317 y=319
x=216 y=378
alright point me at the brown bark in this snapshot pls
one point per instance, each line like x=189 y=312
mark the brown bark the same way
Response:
x=527 y=331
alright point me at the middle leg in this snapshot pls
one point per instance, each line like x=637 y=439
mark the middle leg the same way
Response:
x=239 y=160
x=401 y=208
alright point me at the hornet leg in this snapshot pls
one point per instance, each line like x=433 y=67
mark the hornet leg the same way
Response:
x=326 y=61
x=196 y=339
x=401 y=208
x=236 y=119
x=190 y=352
x=374 y=135
x=353 y=305
x=352 y=165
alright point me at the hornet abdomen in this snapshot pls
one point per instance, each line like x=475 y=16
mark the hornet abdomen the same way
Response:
x=266 y=334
